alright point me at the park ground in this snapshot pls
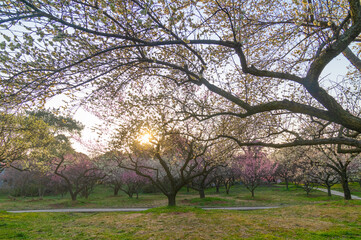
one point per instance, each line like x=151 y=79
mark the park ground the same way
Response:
x=299 y=217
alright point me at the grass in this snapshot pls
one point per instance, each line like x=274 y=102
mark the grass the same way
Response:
x=302 y=217
x=336 y=220
x=239 y=196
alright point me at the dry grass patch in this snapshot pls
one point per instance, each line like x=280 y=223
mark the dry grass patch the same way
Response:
x=292 y=222
x=301 y=222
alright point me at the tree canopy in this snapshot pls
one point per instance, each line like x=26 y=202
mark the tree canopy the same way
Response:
x=22 y=137
x=256 y=60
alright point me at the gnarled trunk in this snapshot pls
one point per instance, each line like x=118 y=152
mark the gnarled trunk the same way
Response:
x=201 y=193
x=171 y=200
x=346 y=189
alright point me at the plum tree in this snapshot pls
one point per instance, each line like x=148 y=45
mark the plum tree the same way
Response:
x=77 y=173
x=253 y=168
x=254 y=59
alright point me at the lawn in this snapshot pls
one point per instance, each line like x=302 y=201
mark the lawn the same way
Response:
x=338 y=220
x=239 y=196
x=299 y=217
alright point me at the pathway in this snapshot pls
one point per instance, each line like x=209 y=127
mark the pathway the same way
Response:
x=337 y=193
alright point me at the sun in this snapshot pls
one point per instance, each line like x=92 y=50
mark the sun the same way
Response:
x=145 y=138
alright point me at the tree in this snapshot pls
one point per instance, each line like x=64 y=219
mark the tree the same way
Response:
x=107 y=164
x=213 y=169
x=119 y=178
x=77 y=173
x=33 y=181
x=73 y=171
x=318 y=169
x=114 y=180
x=217 y=178
x=132 y=183
x=306 y=170
x=340 y=164
x=255 y=64
x=226 y=176
x=21 y=136
x=326 y=177
x=169 y=153
x=285 y=171
x=320 y=164
x=355 y=170
x=158 y=142
x=205 y=180
x=62 y=129
x=286 y=160
x=253 y=168
x=60 y=124
x=169 y=162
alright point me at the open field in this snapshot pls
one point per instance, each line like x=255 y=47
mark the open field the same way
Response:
x=336 y=220
x=301 y=217
x=239 y=196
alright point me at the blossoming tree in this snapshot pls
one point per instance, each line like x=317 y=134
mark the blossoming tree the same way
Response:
x=254 y=167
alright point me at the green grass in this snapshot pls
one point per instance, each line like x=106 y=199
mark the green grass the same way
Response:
x=239 y=196
x=301 y=217
x=317 y=221
x=174 y=209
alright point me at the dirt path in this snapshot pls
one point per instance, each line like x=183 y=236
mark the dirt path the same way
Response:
x=337 y=193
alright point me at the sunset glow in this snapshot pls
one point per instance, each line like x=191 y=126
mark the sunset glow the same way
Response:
x=145 y=138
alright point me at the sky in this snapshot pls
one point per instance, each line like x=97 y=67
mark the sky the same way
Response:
x=89 y=121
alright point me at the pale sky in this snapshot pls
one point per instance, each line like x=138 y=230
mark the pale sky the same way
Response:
x=86 y=118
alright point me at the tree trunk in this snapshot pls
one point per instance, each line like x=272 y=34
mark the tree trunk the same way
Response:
x=86 y=192
x=286 y=181
x=252 y=191
x=228 y=187
x=329 y=191
x=171 y=200
x=217 y=188
x=346 y=189
x=116 y=190
x=201 y=193
x=41 y=193
x=73 y=196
